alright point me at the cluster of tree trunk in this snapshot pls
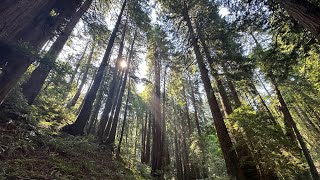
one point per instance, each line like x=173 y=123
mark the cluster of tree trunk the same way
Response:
x=24 y=36
x=78 y=127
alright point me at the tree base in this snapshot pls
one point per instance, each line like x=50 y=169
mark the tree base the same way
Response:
x=72 y=130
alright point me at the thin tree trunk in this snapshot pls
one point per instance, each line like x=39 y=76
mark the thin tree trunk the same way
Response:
x=75 y=98
x=78 y=126
x=184 y=151
x=263 y=85
x=263 y=103
x=305 y=118
x=177 y=156
x=193 y=99
x=166 y=159
x=108 y=113
x=201 y=145
x=124 y=121
x=115 y=119
x=186 y=107
x=75 y=71
x=143 y=139
x=110 y=100
x=148 y=143
x=97 y=104
x=234 y=93
x=291 y=124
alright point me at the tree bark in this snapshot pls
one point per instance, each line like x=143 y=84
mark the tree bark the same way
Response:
x=78 y=126
x=166 y=159
x=34 y=35
x=16 y=15
x=256 y=92
x=115 y=119
x=305 y=12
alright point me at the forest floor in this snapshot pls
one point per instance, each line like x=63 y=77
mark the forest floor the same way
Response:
x=29 y=152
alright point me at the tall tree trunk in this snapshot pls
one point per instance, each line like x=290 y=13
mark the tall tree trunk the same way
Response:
x=193 y=100
x=77 y=127
x=177 y=155
x=186 y=108
x=115 y=119
x=201 y=144
x=234 y=93
x=125 y=121
x=184 y=148
x=256 y=92
x=90 y=84
x=148 y=143
x=75 y=98
x=286 y=114
x=143 y=139
x=108 y=104
x=97 y=103
x=305 y=118
x=158 y=147
x=75 y=71
x=166 y=159
x=222 y=91
x=305 y=12
x=230 y=156
x=33 y=86
x=291 y=124
x=108 y=112
x=111 y=103
x=263 y=85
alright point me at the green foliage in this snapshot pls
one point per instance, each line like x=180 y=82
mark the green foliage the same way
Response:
x=14 y=107
x=26 y=156
x=271 y=149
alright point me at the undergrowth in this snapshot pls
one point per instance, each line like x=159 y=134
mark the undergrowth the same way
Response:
x=30 y=150
x=26 y=155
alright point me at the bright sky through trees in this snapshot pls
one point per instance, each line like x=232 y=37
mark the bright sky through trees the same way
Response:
x=160 y=89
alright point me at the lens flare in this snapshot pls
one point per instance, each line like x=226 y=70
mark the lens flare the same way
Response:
x=123 y=64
